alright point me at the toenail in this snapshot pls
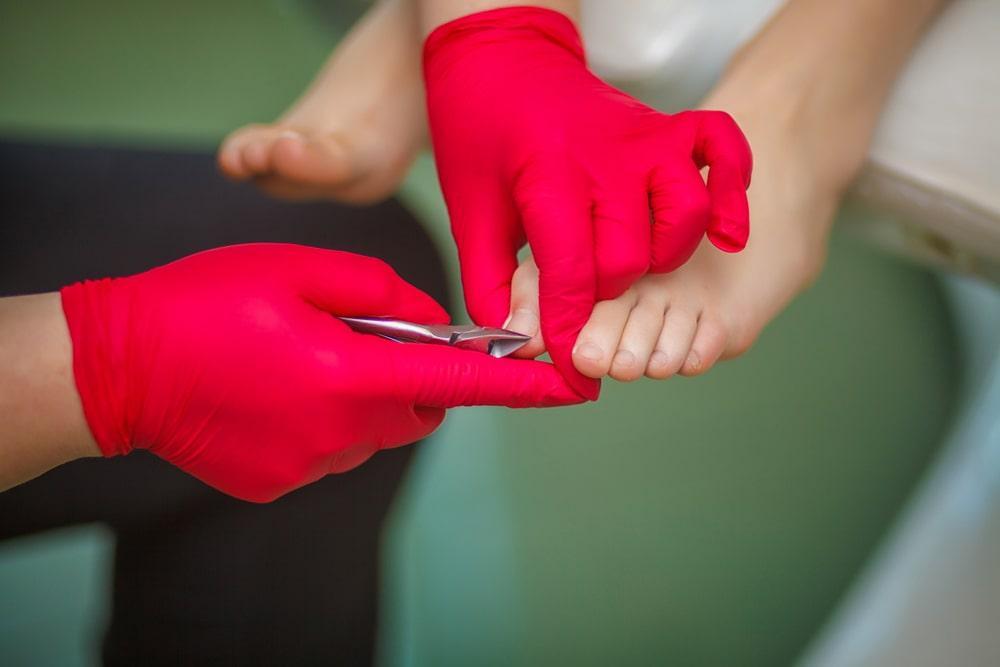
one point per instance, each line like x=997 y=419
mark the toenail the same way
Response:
x=523 y=321
x=625 y=358
x=694 y=361
x=590 y=352
x=659 y=359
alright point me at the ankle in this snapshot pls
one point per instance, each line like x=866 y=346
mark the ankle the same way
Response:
x=795 y=119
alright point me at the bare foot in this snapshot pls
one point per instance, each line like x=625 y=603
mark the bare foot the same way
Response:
x=354 y=133
x=715 y=306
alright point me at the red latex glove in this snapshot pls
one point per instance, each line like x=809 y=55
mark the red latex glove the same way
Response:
x=531 y=145
x=230 y=365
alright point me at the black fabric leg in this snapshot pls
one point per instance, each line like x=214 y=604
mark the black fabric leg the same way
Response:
x=201 y=578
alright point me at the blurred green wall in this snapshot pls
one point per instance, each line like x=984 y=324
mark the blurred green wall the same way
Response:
x=694 y=522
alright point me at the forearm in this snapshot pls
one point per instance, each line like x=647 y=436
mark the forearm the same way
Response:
x=433 y=13
x=828 y=67
x=41 y=419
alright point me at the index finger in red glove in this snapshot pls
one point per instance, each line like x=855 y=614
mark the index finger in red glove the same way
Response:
x=487 y=232
x=556 y=213
x=365 y=286
x=720 y=145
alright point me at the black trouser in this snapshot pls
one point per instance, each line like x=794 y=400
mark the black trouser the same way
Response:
x=201 y=578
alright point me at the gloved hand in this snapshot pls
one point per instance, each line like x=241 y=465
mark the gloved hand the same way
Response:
x=531 y=146
x=230 y=365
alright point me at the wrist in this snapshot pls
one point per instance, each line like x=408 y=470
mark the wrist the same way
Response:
x=54 y=366
x=515 y=25
x=435 y=13
x=41 y=420
x=779 y=110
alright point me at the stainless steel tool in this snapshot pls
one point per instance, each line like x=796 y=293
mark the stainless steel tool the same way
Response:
x=495 y=342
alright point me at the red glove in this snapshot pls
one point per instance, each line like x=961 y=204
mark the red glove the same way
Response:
x=531 y=145
x=230 y=365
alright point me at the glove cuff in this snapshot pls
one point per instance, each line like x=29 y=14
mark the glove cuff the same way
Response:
x=97 y=363
x=517 y=22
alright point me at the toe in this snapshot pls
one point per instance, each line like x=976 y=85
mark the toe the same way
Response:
x=256 y=155
x=599 y=338
x=709 y=343
x=232 y=153
x=230 y=161
x=523 y=316
x=525 y=321
x=230 y=156
x=638 y=340
x=674 y=343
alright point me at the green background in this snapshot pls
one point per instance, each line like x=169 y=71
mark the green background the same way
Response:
x=713 y=521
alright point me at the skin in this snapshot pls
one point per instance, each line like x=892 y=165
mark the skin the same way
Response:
x=807 y=99
x=436 y=12
x=41 y=419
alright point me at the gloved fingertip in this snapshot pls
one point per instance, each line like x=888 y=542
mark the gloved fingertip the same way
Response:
x=430 y=418
x=560 y=338
x=561 y=399
x=546 y=387
x=589 y=388
x=728 y=235
x=419 y=306
x=585 y=388
x=436 y=315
